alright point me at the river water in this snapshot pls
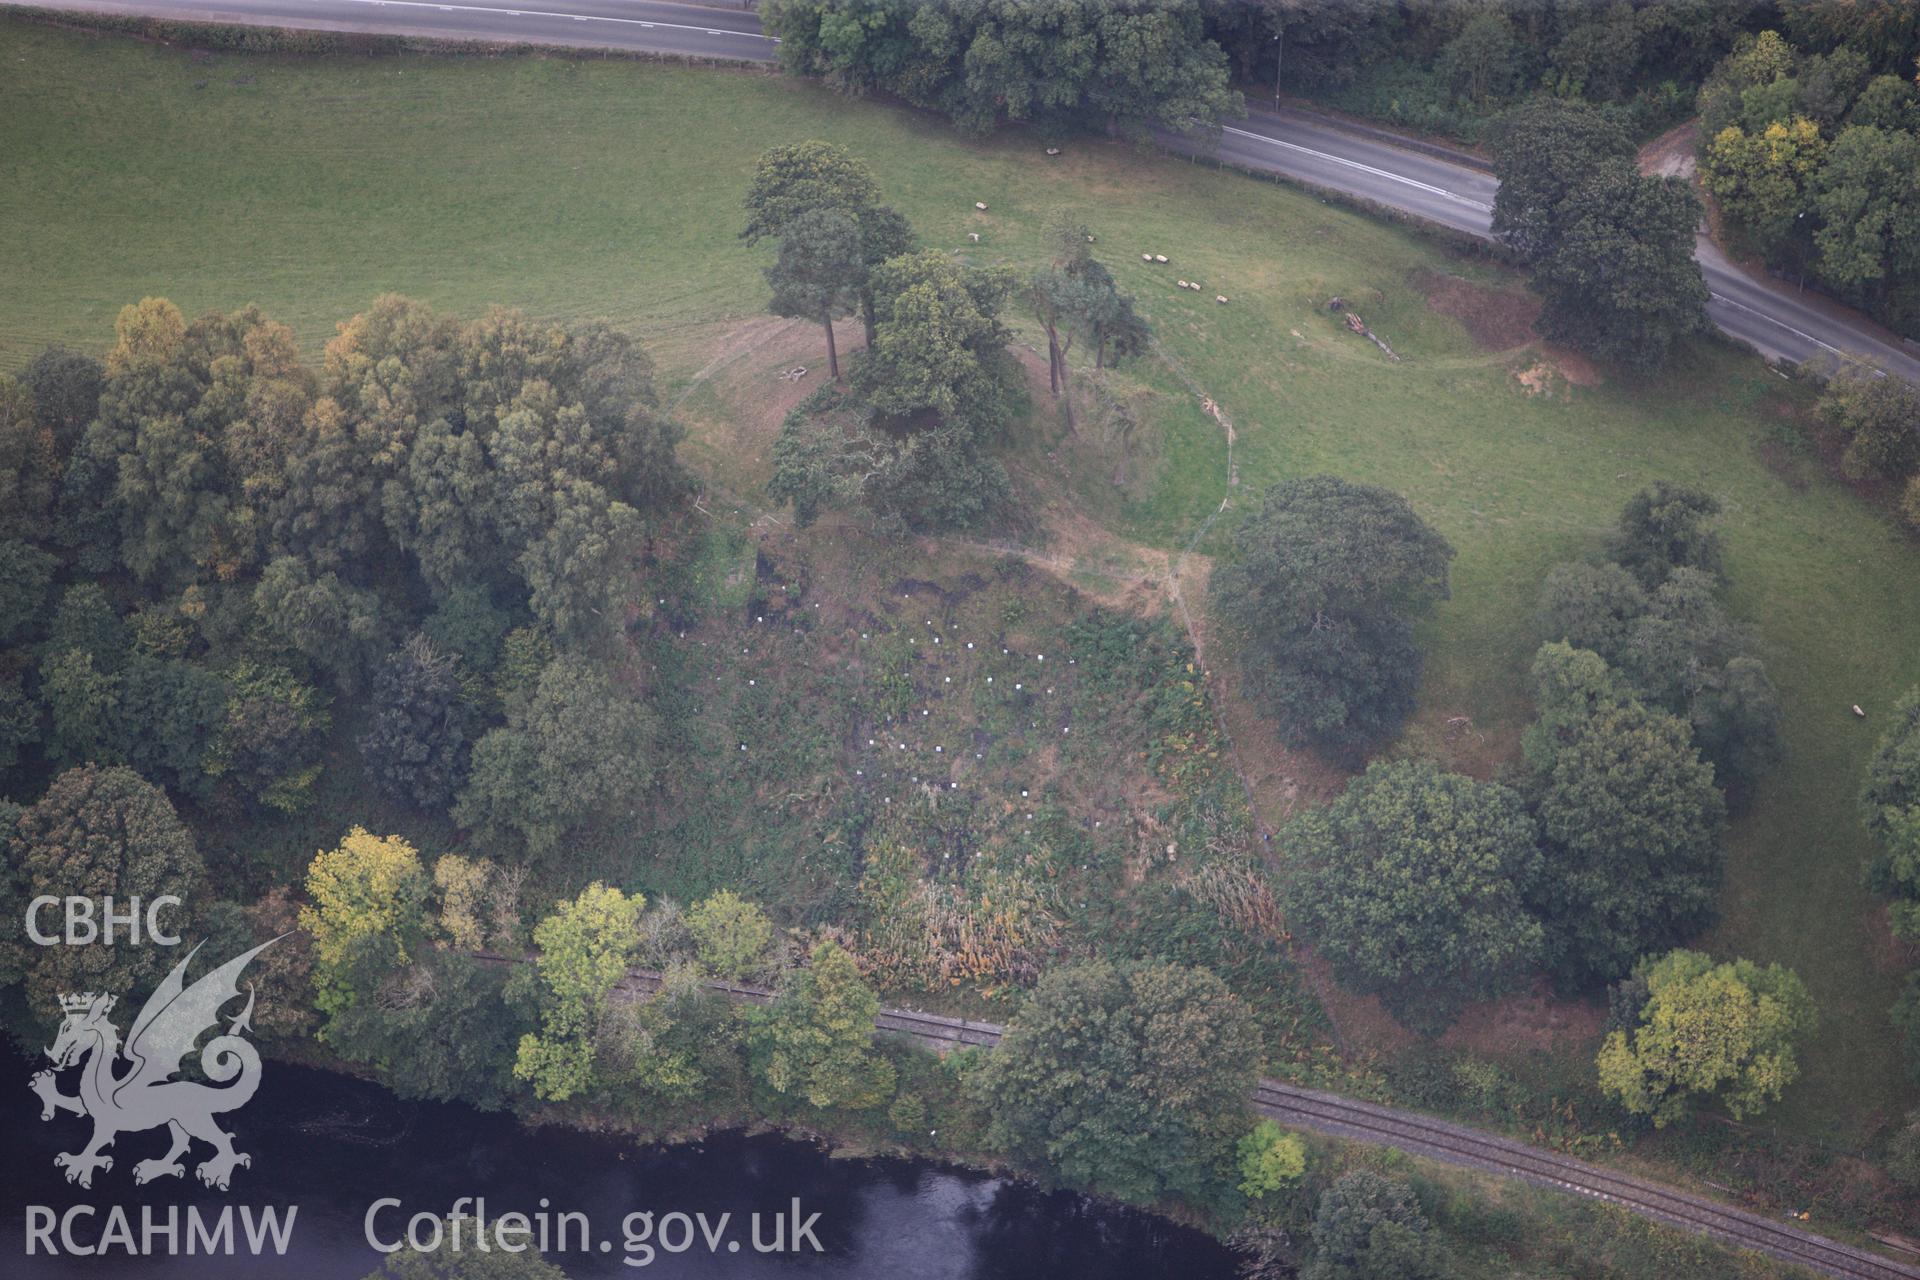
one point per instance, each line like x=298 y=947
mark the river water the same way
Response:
x=333 y=1146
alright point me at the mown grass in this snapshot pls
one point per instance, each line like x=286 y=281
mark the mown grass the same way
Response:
x=581 y=188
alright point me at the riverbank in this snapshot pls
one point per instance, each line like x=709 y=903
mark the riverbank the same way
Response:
x=330 y=1145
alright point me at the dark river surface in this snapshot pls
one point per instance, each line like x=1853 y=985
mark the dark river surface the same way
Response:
x=333 y=1146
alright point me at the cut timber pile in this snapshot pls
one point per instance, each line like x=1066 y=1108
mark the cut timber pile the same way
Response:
x=1359 y=326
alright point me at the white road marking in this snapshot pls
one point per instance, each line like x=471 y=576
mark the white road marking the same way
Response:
x=1363 y=168
x=1798 y=333
x=1476 y=204
x=577 y=17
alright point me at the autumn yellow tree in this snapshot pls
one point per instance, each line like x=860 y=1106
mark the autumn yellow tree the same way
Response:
x=1727 y=1030
x=732 y=936
x=369 y=900
x=585 y=947
x=1765 y=180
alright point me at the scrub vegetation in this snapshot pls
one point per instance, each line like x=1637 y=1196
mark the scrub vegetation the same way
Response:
x=609 y=628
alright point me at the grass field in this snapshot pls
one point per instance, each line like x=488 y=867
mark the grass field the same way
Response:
x=610 y=189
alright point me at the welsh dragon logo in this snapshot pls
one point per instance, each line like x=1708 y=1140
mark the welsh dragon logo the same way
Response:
x=145 y=1095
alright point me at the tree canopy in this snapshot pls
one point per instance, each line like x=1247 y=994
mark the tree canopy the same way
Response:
x=1129 y=1081
x=368 y=897
x=1325 y=584
x=1729 y=1030
x=821 y=263
x=101 y=833
x=1369 y=1227
x=1890 y=807
x=1630 y=821
x=1667 y=527
x=797 y=179
x=1813 y=158
x=814 y=1042
x=416 y=748
x=1415 y=884
x=1128 y=67
x=1612 y=251
x=1654 y=615
x=1541 y=151
x=576 y=749
x=935 y=387
x=585 y=947
x=732 y=937
x=1621 y=282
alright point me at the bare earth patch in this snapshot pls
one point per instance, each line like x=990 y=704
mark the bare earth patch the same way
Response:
x=1556 y=371
x=1538 y=378
x=1574 y=367
x=1672 y=154
x=1497 y=319
x=1503 y=320
x=1525 y=1023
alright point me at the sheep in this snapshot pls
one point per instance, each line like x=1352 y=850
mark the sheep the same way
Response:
x=981 y=205
x=1183 y=284
x=1053 y=151
x=1220 y=298
x=974 y=236
x=1857 y=711
x=1146 y=257
x=1159 y=257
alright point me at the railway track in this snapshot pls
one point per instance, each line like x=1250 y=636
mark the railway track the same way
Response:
x=1455 y=1144
x=1434 y=1139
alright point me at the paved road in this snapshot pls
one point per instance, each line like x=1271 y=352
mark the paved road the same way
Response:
x=1773 y=318
x=651 y=26
x=1445 y=191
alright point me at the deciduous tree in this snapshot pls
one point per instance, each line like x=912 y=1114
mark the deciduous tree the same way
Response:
x=1369 y=1227
x=1415 y=885
x=805 y=177
x=66 y=393
x=1271 y=1159
x=1621 y=281
x=1765 y=181
x=814 y=1042
x=573 y=752
x=1127 y=1081
x=1667 y=527
x=1890 y=806
x=268 y=747
x=733 y=936
x=29 y=465
x=1881 y=417
x=26 y=572
x=102 y=833
x=585 y=948
x=939 y=350
x=1541 y=151
x=1726 y=1030
x=369 y=896
x=1326 y=582
x=1630 y=820
x=337 y=627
